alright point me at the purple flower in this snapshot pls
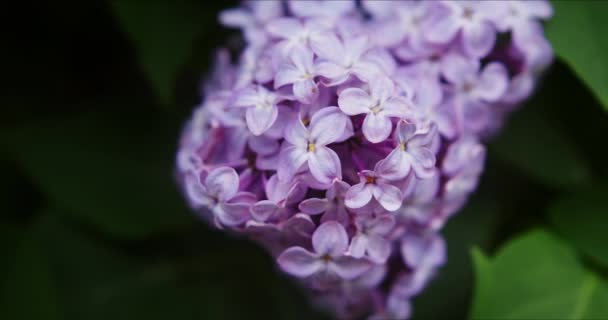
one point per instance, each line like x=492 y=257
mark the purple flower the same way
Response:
x=281 y=146
x=330 y=243
x=309 y=145
x=338 y=60
x=374 y=184
x=219 y=193
x=332 y=206
x=299 y=71
x=473 y=19
x=379 y=105
x=262 y=110
x=280 y=195
x=371 y=238
x=412 y=152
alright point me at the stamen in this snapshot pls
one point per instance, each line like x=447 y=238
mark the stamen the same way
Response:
x=311 y=147
x=370 y=179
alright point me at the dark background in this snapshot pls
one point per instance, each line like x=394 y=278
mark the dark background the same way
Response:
x=92 y=225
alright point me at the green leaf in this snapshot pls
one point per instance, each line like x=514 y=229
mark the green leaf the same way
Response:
x=113 y=170
x=536 y=276
x=536 y=144
x=84 y=277
x=163 y=34
x=578 y=35
x=582 y=218
x=28 y=288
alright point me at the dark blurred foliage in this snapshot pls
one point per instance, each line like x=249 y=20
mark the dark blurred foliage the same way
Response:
x=92 y=224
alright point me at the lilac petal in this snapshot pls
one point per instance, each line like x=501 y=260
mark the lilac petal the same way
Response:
x=296 y=133
x=247 y=97
x=376 y=128
x=223 y=183
x=287 y=74
x=396 y=107
x=395 y=166
x=478 y=38
x=353 y=101
x=493 y=82
x=355 y=47
x=389 y=196
x=423 y=157
x=331 y=239
x=296 y=193
x=423 y=251
x=305 y=91
x=382 y=225
x=263 y=145
x=405 y=131
x=330 y=70
x=443 y=25
x=349 y=268
x=358 y=196
x=260 y=119
x=285 y=28
x=366 y=70
x=300 y=224
x=337 y=212
x=299 y=262
x=328 y=47
x=313 y=206
x=358 y=245
x=327 y=125
x=236 y=17
x=457 y=69
x=302 y=58
x=232 y=214
x=378 y=248
x=338 y=188
x=244 y=198
x=538 y=8
x=197 y=193
x=291 y=160
x=264 y=210
x=381 y=88
x=324 y=165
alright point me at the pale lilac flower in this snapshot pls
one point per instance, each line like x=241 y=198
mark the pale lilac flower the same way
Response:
x=412 y=152
x=300 y=72
x=262 y=110
x=279 y=195
x=218 y=191
x=267 y=154
x=373 y=184
x=338 y=60
x=251 y=18
x=332 y=206
x=379 y=105
x=330 y=243
x=309 y=145
x=371 y=238
x=471 y=19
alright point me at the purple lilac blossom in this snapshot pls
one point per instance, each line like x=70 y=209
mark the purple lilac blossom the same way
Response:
x=349 y=132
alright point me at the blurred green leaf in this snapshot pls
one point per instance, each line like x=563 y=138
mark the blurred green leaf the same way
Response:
x=28 y=289
x=578 y=35
x=62 y=269
x=112 y=169
x=535 y=144
x=536 y=276
x=163 y=34
x=582 y=218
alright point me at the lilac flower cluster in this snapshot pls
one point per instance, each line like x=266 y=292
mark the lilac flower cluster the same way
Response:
x=348 y=132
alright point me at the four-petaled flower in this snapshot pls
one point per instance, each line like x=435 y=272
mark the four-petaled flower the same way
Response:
x=375 y=185
x=330 y=244
x=300 y=72
x=379 y=105
x=412 y=152
x=218 y=191
x=332 y=206
x=309 y=145
x=262 y=110
x=371 y=240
